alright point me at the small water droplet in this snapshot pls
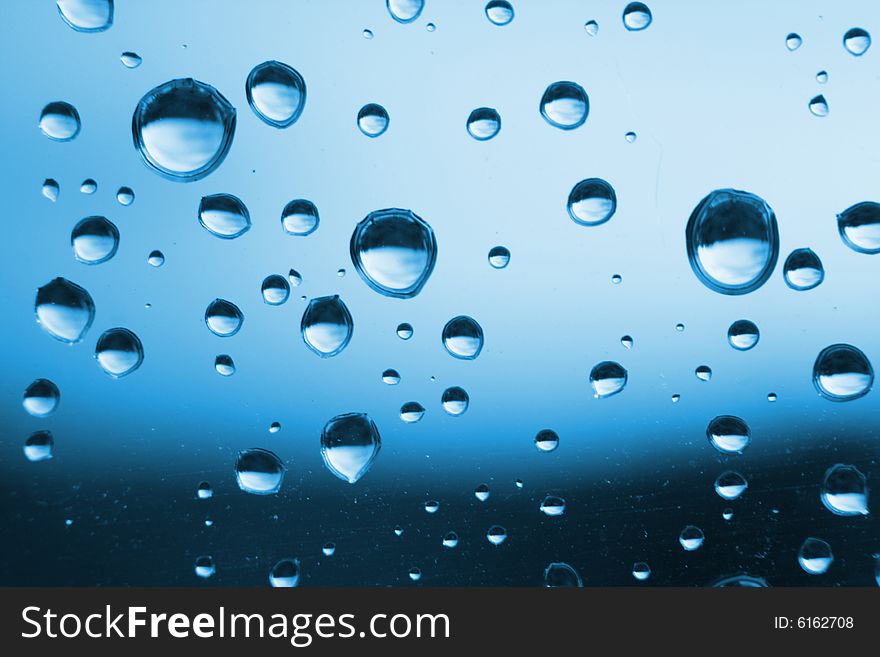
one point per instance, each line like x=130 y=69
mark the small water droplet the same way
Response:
x=64 y=310
x=329 y=549
x=398 y=531
x=39 y=446
x=415 y=574
x=859 y=227
x=224 y=365
x=741 y=581
x=390 y=377
x=41 y=398
x=743 y=335
x=205 y=566
x=842 y=373
x=818 y=106
x=368 y=34
x=412 y=412
x=793 y=41
x=224 y=215
x=691 y=538
x=300 y=217
x=275 y=427
x=60 y=121
x=857 y=41
x=822 y=77
x=560 y=575
x=88 y=186
x=404 y=331
x=636 y=16
x=728 y=434
x=591 y=28
x=565 y=105
x=499 y=12
x=51 y=189
x=552 y=506
x=627 y=342
x=727 y=514
x=730 y=485
x=295 y=278
x=119 y=352
x=592 y=202
x=450 y=540
x=276 y=93
x=285 y=574
x=496 y=535
x=130 y=59
x=771 y=397
x=204 y=491
x=275 y=289
x=156 y=259
x=463 y=337
x=483 y=123
x=617 y=279
x=259 y=471
x=679 y=327
x=405 y=11
x=372 y=120
x=703 y=373
x=607 y=378
x=815 y=556
x=223 y=318
x=546 y=440
x=803 y=270
x=845 y=491
x=340 y=272
x=518 y=483
x=430 y=27
x=125 y=196
x=630 y=137
x=481 y=492
x=675 y=398
x=432 y=506
x=499 y=257
x=349 y=445
x=641 y=571
x=455 y=400
x=327 y=326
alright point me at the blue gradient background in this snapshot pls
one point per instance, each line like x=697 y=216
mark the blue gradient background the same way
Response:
x=716 y=100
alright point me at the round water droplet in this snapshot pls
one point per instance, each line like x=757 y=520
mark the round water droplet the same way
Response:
x=432 y=506
x=285 y=574
x=125 y=196
x=630 y=137
x=732 y=241
x=412 y=412
x=636 y=16
x=546 y=440
x=41 y=398
x=552 y=506
x=405 y=11
x=691 y=538
x=703 y=373
x=276 y=93
x=368 y=34
x=223 y=318
x=771 y=397
x=455 y=400
x=119 y=352
x=390 y=377
x=259 y=471
x=815 y=556
x=224 y=215
x=859 y=227
x=728 y=434
x=372 y=120
x=565 y=105
x=518 y=483
x=499 y=257
x=481 y=492
x=591 y=28
x=617 y=279
x=641 y=571
x=679 y=327
x=450 y=540
x=822 y=77
x=496 y=535
x=857 y=41
x=483 y=123
x=39 y=446
x=183 y=129
x=607 y=378
x=415 y=574
x=730 y=485
x=818 y=106
x=743 y=335
x=51 y=189
x=793 y=41
x=156 y=259
x=499 y=12
x=676 y=398
x=329 y=549
x=86 y=15
x=224 y=365
x=463 y=337
x=275 y=427
x=404 y=331
x=842 y=373
x=275 y=289
x=88 y=186
x=803 y=270
x=204 y=491
x=60 y=121
x=627 y=342
x=430 y=27
x=205 y=567
x=592 y=202
x=130 y=59
x=727 y=514
x=560 y=575
x=326 y=326
x=349 y=445
x=295 y=278
x=64 y=310
x=300 y=217
x=845 y=491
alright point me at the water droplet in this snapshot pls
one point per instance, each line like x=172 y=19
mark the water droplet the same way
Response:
x=394 y=252
x=119 y=352
x=390 y=377
x=822 y=77
x=679 y=327
x=518 y=483
x=430 y=27
x=857 y=41
x=676 y=398
x=617 y=279
x=368 y=34
x=741 y=581
x=39 y=446
x=842 y=373
x=340 y=272
x=326 y=326
x=223 y=318
x=224 y=215
x=224 y=365
x=845 y=491
x=372 y=120
x=64 y=310
x=125 y=196
x=455 y=400
x=86 y=15
x=481 y=492
x=691 y=538
x=329 y=549
x=546 y=440
x=771 y=397
x=60 y=121
x=276 y=93
x=730 y=485
x=41 y=398
x=641 y=571
x=818 y=106
x=412 y=412
x=450 y=540
x=607 y=378
x=415 y=574
x=630 y=137
x=398 y=531
x=727 y=514
x=300 y=217
x=552 y=506
x=259 y=471
x=405 y=11
x=815 y=556
x=275 y=427
x=285 y=574
x=793 y=41
x=859 y=227
x=432 y=506
x=743 y=335
x=275 y=289
x=204 y=491
x=703 y=373
x=627 y=342
x=592 y=202
x=156 y=259
x=732 y=241
x=404 y=331
x=51 y=189
x=496 y=535
x=349 y=445
x=183 y=129
x=561 y=575
x=499 y=12
x=565 y=105
x=463 y=337
x=88 y=186
x=728 y=434
x=803 y=270
x=499 y=257
x=295 y=278
x=636 y=16
x=209 y=522
x=130 y=59
x=591 y=28
x=205 y=567
x=483 y=123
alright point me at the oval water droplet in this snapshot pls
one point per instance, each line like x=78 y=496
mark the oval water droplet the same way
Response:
x=463 y=337
x=857 y=41
x=730 y=485
x=703 y=373
x=412 y=412
x=224 y=365
x=803 y=270
x=496 y=535
x=822 y=77
x=276 y=93
x=499 y=12
x=275 y=289
x=859 y=227
x=591 y=28
x=732 y=241
x=432 y=506
x=223 y=318
x=51 y=189
x=818 y=106
x=815 y=556
x=483 y=123
x=499 y=257
x=728 y=434
x=546 y=440
x=793 y=41
x=405 y=11
x=204 y=491
x=390 y=377
x=88 y=186
x=156 y=259
x=607 y=378
x=450 y=540
x=183 y=129
x=641 y=571
x=326 y=326
x=300 y=217
x=41 y=398
x=86 y=15
x=368 y=34
x=552 y=506
x=481 y=492
x=592 y=202
x=64 y=310
x=224 y=215
x=404 y=331
x=455 y=400
x=727 y=514
x=205 y=566
x=372 y=120
x=842 y=373
x=125 y=196
x=39 y=446
x=845 y=491
x=349 y=445
x=60 y=121
x=565 y=105
x=560 y=575
x=119 y=352
x=691 y=538
x=771 y=397
x=415 y=574
x=743 y=335
x=259 y=471
x=636 y=16
x=285 y=574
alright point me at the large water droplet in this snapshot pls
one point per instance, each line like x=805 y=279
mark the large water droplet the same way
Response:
x=372 y=120
x=285 y=574
x=728 y=434
x=94 y=240
x=499 y=12
x=842 y=373
x=641 y=571
x=496 y=535
x=119 y=352
x=691 y=538
x=224 y=365
x=41 y=398
x=546 y=440
x=730 y=485
x=481 y=492
x=803 y=270
x=483 y=123
x=183 y=129
x=463 y=337
x=636 y=16
x=411 y=412
x=818 y=106
x=300 y=217
x=60 y=121
x=732 y=241
x=223 y=318
x=405 y=11
x=86 y=15
x=592 y=202
x=130 y=59
x=275 y=289
x=259 y=471
x=64 y=310
x=499 y=257
x=276 y=93
x=743 y=335
x=845 y=491
x=552 y=506
x=560 y=575
x=565 y=105
x=455 y=400
x=349 y=445
x=793 y=41
x=815 y=556
x=224 y=215
x=205 y=566
x=39 y=446
x=859 y=227
x=857 y=41
x=607 y=378
x=326 y=326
